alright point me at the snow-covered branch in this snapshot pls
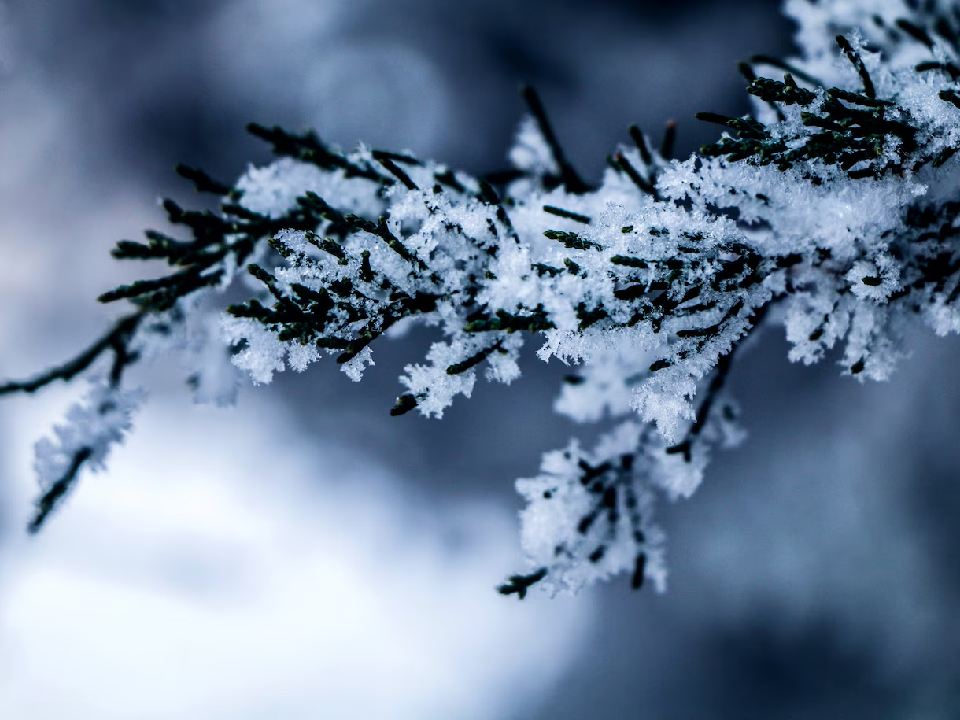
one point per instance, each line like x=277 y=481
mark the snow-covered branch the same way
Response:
x=832 y=210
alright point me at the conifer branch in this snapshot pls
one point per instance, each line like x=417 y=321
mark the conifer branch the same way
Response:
x=569 y=177
x=683 y=260
x=115 y=339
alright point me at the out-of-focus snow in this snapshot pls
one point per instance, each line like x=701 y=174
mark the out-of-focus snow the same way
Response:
x=227 y=567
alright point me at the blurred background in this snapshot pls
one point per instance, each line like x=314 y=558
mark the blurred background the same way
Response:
x=305 y=555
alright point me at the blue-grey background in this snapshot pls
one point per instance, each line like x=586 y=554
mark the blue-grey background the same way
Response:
x=815 y=574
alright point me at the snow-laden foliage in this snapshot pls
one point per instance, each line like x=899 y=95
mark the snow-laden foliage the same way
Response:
x=833 y=210
x=93 y=426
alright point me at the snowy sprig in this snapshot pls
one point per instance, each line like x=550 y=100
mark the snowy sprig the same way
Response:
x=93 y=426
x=833 y=209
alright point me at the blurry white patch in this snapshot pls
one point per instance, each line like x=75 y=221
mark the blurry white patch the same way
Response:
x=224 y=568
x=530 y=150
